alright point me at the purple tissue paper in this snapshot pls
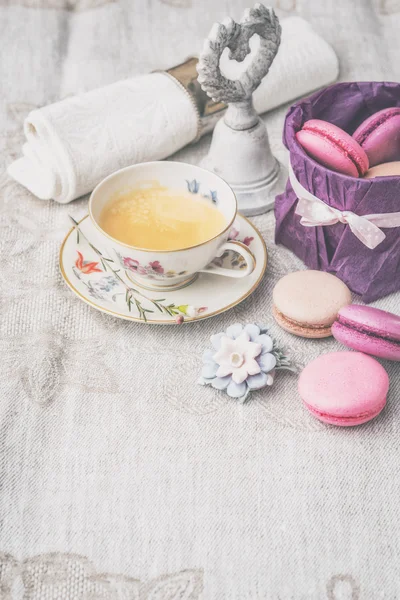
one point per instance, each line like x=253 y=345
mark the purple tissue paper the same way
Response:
x=334 y=248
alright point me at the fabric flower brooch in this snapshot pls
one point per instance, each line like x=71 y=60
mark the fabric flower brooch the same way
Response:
x=243 y=359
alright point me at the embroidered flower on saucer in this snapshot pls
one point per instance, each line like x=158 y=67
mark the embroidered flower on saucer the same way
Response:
x=244 y=359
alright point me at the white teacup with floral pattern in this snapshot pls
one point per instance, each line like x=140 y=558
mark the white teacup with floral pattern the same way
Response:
x=168 y=269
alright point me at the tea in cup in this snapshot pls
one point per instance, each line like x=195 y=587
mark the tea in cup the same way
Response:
x=155 y=217
x=165 y=221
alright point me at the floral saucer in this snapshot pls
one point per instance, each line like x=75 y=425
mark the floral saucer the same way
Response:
x=103 y=284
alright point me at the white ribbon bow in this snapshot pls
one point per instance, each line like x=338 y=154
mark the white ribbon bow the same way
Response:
x=314 y=212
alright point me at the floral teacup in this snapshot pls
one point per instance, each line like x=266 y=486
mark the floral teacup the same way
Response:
x=167 y=269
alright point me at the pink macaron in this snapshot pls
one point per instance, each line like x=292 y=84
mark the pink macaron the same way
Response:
x=332 y=147
x=379 y=136
x=344 y=388
x=369 y=330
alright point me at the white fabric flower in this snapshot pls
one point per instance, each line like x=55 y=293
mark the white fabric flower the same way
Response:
x=242 y=360
x=236 y=357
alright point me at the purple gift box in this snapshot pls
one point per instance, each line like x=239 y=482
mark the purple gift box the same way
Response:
x=372 y=273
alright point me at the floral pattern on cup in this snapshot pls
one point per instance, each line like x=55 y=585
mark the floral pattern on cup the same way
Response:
x=231 y=259
x=190 y=311
x=85 y=266
x=99 y=289
x=233 y=234
x=194 y=188
x=153 y=270
x=111 y=287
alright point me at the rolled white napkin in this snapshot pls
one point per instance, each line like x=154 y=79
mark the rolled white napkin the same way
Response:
x=73 y=144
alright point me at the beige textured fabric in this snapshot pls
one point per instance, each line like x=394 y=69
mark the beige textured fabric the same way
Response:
x=120 y=478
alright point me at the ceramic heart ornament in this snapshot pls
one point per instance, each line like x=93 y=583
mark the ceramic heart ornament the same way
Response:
x=251 y=170
x=243 y=359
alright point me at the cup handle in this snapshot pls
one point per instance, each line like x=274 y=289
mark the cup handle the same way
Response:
x=239 y=248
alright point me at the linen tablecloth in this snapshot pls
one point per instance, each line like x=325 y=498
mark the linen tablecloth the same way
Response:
x=121 y=478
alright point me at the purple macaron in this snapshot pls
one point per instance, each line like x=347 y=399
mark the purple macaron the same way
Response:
x=368 y=330
x=379 y=136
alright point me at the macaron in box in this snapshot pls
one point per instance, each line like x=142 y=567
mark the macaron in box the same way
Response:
x=375 y=141
x=332 y=147
x=389 y=169
x=379 y=136
x=330 y=243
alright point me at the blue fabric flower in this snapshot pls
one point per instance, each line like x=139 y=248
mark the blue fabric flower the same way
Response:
x=243 y=359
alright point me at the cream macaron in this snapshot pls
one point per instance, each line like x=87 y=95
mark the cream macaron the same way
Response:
x=306 y=303
x=390 y=169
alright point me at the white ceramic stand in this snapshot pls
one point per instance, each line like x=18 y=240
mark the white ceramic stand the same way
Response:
x=240 y=151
